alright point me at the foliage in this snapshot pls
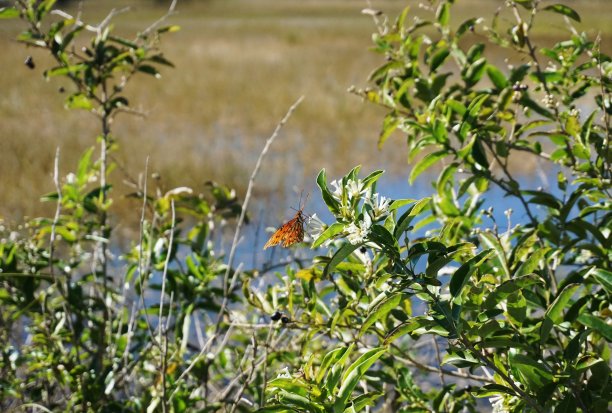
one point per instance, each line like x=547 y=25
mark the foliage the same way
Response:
x=519 y=316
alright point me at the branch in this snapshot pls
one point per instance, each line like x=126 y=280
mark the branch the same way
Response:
x=156 y=24
x=245 y=205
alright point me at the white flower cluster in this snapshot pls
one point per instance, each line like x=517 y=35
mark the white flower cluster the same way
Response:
x=349 y=195
x=357 y=233
x=497 y=405
x=380 y=207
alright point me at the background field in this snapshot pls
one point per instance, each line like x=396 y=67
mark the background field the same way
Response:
x=239 y=66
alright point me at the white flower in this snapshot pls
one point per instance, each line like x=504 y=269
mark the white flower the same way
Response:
x=347 y=212
x=380 y=207
x=337 y=189
x=179 y=191
x=497 y=403
x=284 y=374
x=314 y=226
x=355 y=188
x=160 y=246
x=358 y=234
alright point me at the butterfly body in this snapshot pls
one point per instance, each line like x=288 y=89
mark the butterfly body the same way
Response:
x=289 y=233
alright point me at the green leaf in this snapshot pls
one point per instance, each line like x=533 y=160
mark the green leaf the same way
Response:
x=532 y=262
x=462 y=275
x=124 y=42
x=596 y=324
x=567 y=405
x=275 y=408
x=446 y=177
x=332 y=379
x=405 y=328
x=532 y=372
x=333 y=230
x=8 y=12
x=84 y=166
x=404 y=221
x=398 y=203
x=475 y=71
x=63 y=70
x=331 y=358
x=301 y=402
x=149 y=70
x=497 y=77
x=426 y=162
x=604 y=277
x=289 y=384
x=353 y=374
x=489 y=240
x=78 y=101
x=380 y=310
x=502 y=291
x=489 y=390
x=456 y=106
x=479 y=154
x=555 y=311
x=339 y=256
x=372 y=178
x=476 y=104
x=362 y=401
x=466 y=25
x=332 y=204
x=169 y=29
x=564 y=10
x=66 y=233
x=438 y=58
x=383 y=237
x=443 y=13
x=390 y=124
x=460 y=358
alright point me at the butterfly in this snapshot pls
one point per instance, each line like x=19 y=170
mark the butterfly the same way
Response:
x=289 y=233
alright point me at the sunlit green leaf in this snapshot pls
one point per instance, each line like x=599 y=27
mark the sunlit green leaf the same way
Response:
x=344 y=251
x=333 y=230
x=533 y=373
x=426 y=162
x=497 y=77
x=564 y=10
x=8 y=12
x=353 y=374
x=460 y=278
x=555 y=311
x=596 y=324
x=381 y=310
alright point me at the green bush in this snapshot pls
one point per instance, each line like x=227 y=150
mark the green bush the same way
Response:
x=516 y=313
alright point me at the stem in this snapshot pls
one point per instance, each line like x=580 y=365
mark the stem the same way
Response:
x=247 y=198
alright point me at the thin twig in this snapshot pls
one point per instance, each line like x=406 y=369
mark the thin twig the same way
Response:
x=162 y=338
x=155 y=24
x=439 y=359
x=165 y=271
x=245 y=205
x=95 y=29
x=141 y=266
x=264 y=373
x=58 y=209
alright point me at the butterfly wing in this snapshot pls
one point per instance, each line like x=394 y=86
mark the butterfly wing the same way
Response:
x=276 y=238
x=295 y=233
x=289 y=233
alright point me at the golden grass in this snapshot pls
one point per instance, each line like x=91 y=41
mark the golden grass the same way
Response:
x=239 y=65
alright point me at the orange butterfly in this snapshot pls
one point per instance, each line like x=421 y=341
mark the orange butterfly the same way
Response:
x=289 y=233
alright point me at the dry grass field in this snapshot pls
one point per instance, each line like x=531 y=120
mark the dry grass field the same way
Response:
x=239 y=65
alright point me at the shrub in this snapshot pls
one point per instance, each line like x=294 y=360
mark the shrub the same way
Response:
x=515 y=313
